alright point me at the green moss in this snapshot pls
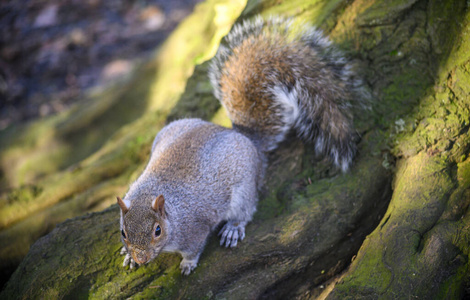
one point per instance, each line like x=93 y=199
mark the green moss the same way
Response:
x=197 y=100
x=65 y=184
x=463 y=174
x=311 y=219
x=443 y=35
x=384 y=12
x=394 y=253
x=194 y=41
x=446 y=114
x=220 y=118
x=372 y=267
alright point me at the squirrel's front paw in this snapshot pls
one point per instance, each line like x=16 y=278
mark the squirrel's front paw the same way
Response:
x=128 y=260
x=231 y=232
x=187 y=266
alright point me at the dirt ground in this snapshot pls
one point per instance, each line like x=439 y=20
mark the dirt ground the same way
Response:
x=53 y=51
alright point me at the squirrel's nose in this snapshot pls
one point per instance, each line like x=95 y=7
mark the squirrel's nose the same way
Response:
x=139 y=256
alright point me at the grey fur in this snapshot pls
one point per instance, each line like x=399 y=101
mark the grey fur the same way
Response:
x=196 y=166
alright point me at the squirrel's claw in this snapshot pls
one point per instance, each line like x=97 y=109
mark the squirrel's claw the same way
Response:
x=231 y=232
x=187 y=266
x=128 y=260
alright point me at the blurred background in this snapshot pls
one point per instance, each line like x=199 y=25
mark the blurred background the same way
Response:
x=51 y=51
x=65 y=89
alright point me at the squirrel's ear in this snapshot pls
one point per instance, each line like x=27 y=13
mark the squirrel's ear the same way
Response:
x=123 y=206
x=158 y=205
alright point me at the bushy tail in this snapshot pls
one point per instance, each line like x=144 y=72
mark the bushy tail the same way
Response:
x=272 y=76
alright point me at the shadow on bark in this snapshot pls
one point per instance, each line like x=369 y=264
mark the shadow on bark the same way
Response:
x=312 y=220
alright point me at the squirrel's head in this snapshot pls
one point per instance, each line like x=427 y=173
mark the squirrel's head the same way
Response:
x=144 y=229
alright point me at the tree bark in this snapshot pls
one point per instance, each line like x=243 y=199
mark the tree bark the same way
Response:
x=396 y=226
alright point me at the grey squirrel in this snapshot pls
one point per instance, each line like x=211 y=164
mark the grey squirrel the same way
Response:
x=270 y=79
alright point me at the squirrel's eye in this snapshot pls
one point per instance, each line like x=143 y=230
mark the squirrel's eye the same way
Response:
x=123 y=233
x=158 y=231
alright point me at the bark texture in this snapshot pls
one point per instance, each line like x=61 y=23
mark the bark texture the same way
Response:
x=396 y=226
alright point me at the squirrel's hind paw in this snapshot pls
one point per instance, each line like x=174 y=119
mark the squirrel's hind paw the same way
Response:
x=231 y=232
x=128 y=260
x=187 y=266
